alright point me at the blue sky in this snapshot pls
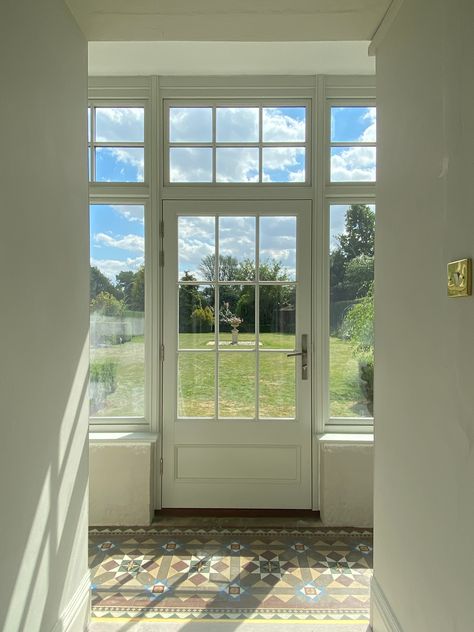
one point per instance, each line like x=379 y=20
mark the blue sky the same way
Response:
x=117 y=232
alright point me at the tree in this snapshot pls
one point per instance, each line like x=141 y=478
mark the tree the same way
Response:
x=107 y=305
x=100 y=283
x=124 y=282
x=137 y=291
x=228 y=268
x=359 y=236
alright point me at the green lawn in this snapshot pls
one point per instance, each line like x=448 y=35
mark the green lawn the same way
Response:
x=237 y=373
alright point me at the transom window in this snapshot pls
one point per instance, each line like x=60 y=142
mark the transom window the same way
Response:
x=352 y=144
x=116 y=144
x=256 y=143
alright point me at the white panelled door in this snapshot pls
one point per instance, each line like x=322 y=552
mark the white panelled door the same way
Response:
x=237 y=357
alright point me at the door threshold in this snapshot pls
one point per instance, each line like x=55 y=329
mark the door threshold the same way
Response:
x=239 y=513
x=237 y=518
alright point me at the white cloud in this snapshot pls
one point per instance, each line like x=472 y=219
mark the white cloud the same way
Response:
x=119 y=124
x=369 y=135
x=354 y=164
x=111 y=267
x=281 y=127
x=131 y=212
x=237 y=164
x=132 y=156
x=134 y=243
x=190 y=125
x=237 y=125
x=190 y=164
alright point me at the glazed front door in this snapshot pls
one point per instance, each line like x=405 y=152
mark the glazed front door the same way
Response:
x=237 y=355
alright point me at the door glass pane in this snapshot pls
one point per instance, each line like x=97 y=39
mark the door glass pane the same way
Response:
x=190 y=125
x=196 y=248
x=190 y=164
x=277 y=248
x=277 y=385
x=237 y=385
x=237 y=164
x=283 y=164
x=236 y=316
x=237 y=125
x=284 y=124
x=277 y=316
x=196 y=384
x=117 y=310
x=237 y=248
x=119 y=124
x=196 y=317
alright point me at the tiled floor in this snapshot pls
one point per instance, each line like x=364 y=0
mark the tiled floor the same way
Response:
x=230 y=576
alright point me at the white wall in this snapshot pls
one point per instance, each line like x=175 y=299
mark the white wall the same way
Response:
x=43 y=318
x=424 y=462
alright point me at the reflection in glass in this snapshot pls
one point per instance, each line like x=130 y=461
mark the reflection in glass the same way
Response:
x=190 y=125
x=277 y=385
x=237 y=125
x=351 y=343
x=237 y=164
x=119 y=124
x=236 y=317
x=237 y=248
x=196 y=254
x=353 y=124
x=196 y=384
x=284 y=124
x=353 y=164
x=196 y=317
x=283 y=164
x=237 y=385
x=119 y=164
x=117 y=311
x=277 y=248
x=277 y=316
x=190 y=164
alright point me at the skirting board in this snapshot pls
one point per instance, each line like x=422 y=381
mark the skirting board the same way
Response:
x=75 y=616
x=382 y=618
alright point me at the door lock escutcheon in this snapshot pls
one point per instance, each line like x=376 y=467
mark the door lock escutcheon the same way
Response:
x=304 y=356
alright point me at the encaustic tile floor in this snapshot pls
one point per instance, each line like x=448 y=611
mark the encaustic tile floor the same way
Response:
x=223 y=574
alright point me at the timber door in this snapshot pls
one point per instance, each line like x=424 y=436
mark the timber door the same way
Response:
x=237 y=355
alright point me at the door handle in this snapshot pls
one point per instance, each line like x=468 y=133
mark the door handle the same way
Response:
x=304 y=356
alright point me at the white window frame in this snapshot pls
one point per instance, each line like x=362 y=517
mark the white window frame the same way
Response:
x=318 y=93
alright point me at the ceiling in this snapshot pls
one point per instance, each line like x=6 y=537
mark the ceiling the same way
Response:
x=229 y=20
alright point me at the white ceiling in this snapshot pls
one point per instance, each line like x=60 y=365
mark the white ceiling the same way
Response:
x=228 y=20
x=230 y=58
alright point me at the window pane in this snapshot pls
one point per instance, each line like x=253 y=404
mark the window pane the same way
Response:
x=285 y=124
x=196 y=384
x=351 y=310
x=119 y=164
x=353 y=124
x=237 y=385
x=237 y=125
x=190 y=125
x=196 y=317
x=119 y=124
x=277 y=248
x=117 y=310
x=237 y=248
x=353 y=164
x=277 y=385
x=283 y=164
x=196 y=248
x=190 y=164
x=236 y=317
x=277 y=316
x=237 y=164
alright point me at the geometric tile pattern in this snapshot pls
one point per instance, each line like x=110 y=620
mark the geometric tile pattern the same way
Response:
x=231 y=574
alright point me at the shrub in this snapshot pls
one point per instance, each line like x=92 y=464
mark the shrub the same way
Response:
x=103 y=382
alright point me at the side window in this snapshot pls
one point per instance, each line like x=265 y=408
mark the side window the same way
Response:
x=353 y=144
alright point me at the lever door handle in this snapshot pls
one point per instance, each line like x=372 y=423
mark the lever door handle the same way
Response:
x=294 y=353
x=304 y=356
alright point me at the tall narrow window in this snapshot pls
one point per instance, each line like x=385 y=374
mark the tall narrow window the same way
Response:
x=238 y=144
x=353 y=144
x=116 y=144
x=117 y=310
x=351 y=375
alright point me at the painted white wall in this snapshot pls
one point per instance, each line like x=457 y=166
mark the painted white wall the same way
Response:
x=43 y=319
x=121 y=482
x=424 y=436
x=346 y=480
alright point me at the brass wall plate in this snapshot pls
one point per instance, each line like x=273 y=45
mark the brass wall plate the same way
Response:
x=459 y=278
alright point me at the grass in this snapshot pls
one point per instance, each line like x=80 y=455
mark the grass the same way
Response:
x=237 y=378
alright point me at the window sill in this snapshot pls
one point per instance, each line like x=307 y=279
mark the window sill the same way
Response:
x=122 y=437
x=345 y=437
